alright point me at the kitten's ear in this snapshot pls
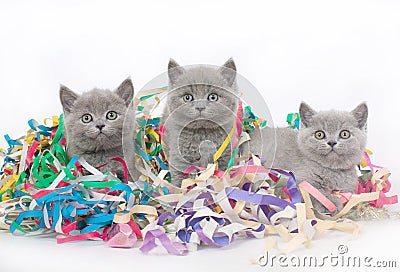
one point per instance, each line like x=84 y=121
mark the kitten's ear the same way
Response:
x=125 y=91
x=361 y=115
x=306 y=114
x=228 y=71
x=67 y=98
x=174 y=70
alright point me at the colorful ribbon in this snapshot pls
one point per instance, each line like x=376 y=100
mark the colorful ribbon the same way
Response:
x=41 y=191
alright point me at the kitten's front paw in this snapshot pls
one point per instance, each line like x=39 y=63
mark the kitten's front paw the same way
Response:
x=207 y=150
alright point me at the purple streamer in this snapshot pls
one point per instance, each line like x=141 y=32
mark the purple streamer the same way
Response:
x=258 y=199
x=149 y=243
x=291 y=186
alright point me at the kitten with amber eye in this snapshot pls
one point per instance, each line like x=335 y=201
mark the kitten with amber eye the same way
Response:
x=324 y=152
x=201 y=109
x=94 y=124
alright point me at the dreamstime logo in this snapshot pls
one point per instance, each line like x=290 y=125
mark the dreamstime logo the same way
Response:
x=343 y=249
x=337 y=259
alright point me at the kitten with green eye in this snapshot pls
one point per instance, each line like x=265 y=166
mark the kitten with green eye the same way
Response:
x=324 y=152
x=201 y=110
x=94 y=124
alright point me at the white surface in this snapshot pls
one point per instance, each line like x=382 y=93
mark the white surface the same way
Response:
x=378 y=240
x=329 y=54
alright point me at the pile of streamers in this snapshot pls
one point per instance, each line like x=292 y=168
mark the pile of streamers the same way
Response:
x=41 y=191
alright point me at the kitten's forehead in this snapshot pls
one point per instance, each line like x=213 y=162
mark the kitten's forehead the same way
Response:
x=98 y=101
x=332 y=121
x=201 y=74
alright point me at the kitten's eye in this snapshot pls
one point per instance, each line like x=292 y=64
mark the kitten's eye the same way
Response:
x=188 y=97
x=319 y=135
x=212 y=97
x=111 y=115
x=345 y=134
x=87 y=118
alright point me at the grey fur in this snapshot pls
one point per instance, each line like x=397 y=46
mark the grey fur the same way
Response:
x=101 y=139
x=326 y=168
x=194 y=130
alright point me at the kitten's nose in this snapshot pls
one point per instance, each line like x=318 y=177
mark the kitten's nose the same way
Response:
x=332 y=143
x=100 y=127
x=200 y=108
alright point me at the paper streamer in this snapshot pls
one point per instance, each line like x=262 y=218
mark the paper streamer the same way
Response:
x=41 y=191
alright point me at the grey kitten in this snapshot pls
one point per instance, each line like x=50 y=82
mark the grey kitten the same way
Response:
x=201 y=110
x=324 y=152
x=94 y=124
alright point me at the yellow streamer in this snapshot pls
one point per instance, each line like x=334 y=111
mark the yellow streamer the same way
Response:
x=224 y=145
x=9 y=184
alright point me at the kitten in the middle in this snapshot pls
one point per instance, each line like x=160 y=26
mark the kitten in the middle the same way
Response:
x=201 y=109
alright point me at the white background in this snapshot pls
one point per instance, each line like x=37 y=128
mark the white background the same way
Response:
x=331 y=54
